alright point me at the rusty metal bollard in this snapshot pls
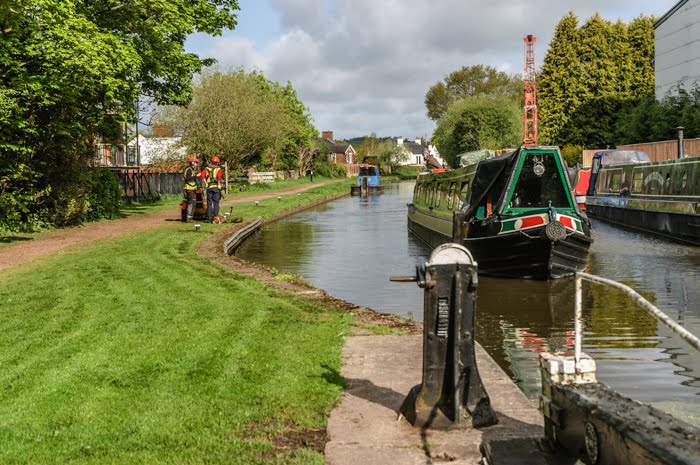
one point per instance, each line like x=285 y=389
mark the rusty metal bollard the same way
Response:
x=451 y=394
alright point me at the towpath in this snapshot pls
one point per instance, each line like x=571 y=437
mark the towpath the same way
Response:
x=52 y=242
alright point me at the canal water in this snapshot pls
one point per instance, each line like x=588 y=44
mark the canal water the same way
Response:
x=350 y=248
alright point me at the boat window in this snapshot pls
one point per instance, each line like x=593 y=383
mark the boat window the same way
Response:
x=684 y=180
x=464 y=191
x=653 y=183
x=615 y=183
x=637 y=181
x=667 y=183
x=367 y=171
x=451 y=195
x=540 y=183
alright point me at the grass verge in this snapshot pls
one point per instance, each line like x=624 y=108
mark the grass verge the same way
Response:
x=137 y=351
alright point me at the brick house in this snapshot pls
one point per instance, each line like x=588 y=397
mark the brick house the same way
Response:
x=338 y=153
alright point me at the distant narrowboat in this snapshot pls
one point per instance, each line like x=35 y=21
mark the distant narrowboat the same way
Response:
x=515 y=213
x=662 y=198
x=368 y=181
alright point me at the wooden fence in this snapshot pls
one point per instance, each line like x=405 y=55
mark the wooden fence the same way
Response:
x=138 y=185
x=657 y=151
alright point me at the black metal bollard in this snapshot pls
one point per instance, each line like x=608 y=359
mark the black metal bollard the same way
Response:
x=451 y=394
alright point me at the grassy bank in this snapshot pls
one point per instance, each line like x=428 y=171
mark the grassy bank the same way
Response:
x=137 y=350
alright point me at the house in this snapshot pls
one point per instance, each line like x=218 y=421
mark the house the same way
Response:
x=676 y=48
x=153 y=149
x=338 y=153
x=417 y=153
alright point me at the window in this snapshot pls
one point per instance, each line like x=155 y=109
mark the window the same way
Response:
x=684 y=180
x=451 y=195
x=537 y=191
x=615 y=182
x=667 y=183
x=637 y=181
x=464 y=192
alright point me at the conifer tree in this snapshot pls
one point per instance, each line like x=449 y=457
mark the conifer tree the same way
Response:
x=590 y=76
x=558 y=83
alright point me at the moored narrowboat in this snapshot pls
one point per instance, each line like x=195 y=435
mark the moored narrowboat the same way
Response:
x=515 y=213
x=368 y=181
x=661 y=198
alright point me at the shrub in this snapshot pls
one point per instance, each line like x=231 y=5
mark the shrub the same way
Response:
x=331 y=170
x=572 y=154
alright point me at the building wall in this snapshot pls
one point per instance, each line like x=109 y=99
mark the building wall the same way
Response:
x=677 y=47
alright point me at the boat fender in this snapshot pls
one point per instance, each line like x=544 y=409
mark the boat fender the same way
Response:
x=555 y=231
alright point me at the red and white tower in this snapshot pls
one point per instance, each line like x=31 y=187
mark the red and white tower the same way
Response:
x=530 y=111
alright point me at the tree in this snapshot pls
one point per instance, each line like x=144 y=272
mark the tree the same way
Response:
x=559 y=89
x=590 y=76
x=390 y=154
x=652 y=121
x=476 y=123
x=71 y=70
x=246 y=120
x=472 y=81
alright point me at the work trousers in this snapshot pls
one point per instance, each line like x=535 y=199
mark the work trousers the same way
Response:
x=213 y=199
x=191 y=204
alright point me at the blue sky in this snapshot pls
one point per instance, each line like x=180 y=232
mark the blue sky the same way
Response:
x=364 y=66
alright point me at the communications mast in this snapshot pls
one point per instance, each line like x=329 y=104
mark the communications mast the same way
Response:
x=530 y=110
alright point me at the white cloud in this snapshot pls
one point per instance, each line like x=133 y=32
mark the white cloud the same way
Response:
x=364 y=65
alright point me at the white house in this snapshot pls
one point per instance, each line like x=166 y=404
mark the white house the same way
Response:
x=153 y=149
x=677 y=48
x=417 y=152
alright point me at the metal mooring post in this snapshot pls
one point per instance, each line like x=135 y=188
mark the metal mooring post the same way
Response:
x=451 y=394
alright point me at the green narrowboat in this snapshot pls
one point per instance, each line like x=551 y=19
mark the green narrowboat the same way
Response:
x=516 y=214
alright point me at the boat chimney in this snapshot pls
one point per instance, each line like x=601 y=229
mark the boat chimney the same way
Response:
x=681 y=155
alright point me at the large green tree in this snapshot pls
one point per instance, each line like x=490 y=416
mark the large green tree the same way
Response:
x=475 y=123
x=470 y=81
x=653 y=120
x=592 y=74
x=558 y=83
x=246 y=119
x=71 y=70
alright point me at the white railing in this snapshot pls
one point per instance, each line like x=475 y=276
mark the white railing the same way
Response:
x=641 y=301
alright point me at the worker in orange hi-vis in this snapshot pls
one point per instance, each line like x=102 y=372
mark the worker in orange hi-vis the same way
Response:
x=212 y=181
x=189 y=178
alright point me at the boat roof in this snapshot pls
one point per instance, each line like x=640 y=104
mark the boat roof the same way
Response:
x=617 y=157
x=476 y=156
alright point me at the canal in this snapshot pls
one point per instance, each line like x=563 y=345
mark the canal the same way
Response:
x=351 y=246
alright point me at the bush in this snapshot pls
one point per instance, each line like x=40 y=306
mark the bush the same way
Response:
x=408 y=172
x=572 y=154
x=105 y=197
x=331 y=170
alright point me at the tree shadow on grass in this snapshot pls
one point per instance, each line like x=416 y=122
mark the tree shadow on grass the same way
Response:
x=11 y=239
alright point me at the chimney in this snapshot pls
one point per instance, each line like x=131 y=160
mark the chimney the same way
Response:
x=399 y=140
x=681 y=152
x=418 y=140
x=163 y=130
x=327 y=135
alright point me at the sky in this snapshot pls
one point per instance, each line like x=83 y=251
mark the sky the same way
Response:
x=364 y=66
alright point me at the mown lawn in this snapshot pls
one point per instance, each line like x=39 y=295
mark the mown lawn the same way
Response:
x=137 y=350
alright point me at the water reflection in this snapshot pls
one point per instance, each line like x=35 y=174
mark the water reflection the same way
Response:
x=350 y=247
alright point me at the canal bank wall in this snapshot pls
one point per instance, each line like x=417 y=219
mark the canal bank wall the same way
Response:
x=379 y=370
